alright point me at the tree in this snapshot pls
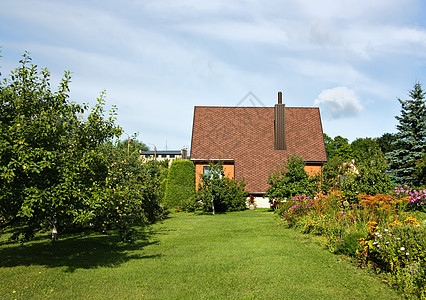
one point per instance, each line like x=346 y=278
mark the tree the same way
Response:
x=50 y=164
x=410 y=138
x=132 y=193
x=371 y=177
x=366 y=152
x=420 y=172
x=291 y=180
x=332 y=171
x=339 y=146
x=386 y=142
x=330 y=147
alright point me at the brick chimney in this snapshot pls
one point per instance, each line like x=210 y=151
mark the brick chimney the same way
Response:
x=280 y=143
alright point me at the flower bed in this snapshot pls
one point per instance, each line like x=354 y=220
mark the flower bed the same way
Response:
x=384 y=232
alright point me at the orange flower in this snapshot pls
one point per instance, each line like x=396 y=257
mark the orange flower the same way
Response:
x=411 y=220
x=395 y=223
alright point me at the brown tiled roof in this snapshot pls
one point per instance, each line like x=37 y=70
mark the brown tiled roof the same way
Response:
x=246 y=135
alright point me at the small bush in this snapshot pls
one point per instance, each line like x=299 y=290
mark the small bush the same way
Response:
x=349 y=245
x=295 y=208
x=220 y=194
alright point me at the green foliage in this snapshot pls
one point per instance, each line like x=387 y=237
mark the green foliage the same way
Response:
x=291 y=180
x=399 y=250
x=49 y=159
x=386 y=142
x=368 y=173
x=410 y=139
x=180 y=186
x=339 y=146
x=369 y=231
x=332 y=171
x=218 y=193
x=420 y=172
x=367 y=153
x=58 y=166
x=349 y=245
x=132 y=192
x=295 y=208
x=370 y=161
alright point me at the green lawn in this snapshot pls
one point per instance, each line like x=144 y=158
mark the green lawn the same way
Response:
x=243 y=255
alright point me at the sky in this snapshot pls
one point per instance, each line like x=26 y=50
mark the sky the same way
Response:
x=157 y=59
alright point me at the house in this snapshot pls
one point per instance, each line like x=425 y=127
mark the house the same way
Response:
x=165 y=154
x=252 y=141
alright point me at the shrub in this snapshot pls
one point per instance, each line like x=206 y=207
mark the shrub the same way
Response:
x=220 y=194
x=291 y=180
x=180 y=186
x=416 y=198
x=349 y=245
x=295 y=208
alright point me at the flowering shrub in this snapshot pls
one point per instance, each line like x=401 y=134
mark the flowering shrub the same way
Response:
x=417 y=200
x=292 y=210
x=382 y=206
x=399 y=250
x=377 y=230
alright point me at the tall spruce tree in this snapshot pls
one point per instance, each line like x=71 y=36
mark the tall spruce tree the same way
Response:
x=410 y=139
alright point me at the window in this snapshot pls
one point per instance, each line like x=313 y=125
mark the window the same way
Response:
x=172 y=156
x=207 y=171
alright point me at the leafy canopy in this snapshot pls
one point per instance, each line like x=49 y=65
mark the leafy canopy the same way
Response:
x=58 y=165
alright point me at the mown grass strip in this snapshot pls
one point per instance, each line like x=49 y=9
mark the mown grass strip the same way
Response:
x=242 y=255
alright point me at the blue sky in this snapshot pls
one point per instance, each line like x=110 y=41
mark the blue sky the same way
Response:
x=158 y=59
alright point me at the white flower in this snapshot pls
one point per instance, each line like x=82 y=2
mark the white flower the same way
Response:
x=402 y=249
x=387 y=242
x=407 y=253
x=386 y=229
x=398 y=238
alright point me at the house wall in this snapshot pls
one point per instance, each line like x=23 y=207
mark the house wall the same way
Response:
x=228 y=170
x=313 y=169
x=162 y=157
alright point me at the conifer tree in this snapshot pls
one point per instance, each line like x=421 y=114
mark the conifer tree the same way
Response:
x=410 y=139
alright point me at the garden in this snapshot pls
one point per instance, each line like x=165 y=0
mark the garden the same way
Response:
x=80 y=209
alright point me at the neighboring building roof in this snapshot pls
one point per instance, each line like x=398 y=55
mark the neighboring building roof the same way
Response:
x=162 y=152
x=246 y=135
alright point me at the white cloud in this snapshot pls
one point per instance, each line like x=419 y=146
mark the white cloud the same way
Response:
x=167 y=56
x=339 y=102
